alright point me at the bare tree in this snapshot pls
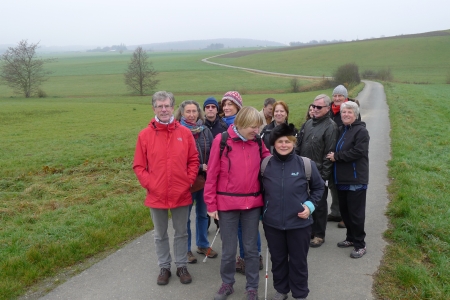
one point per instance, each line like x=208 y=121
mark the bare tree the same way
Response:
x=21 y=70
x=140 y=76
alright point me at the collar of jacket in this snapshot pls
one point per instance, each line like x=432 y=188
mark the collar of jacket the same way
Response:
x=209 y=123
x=159 y=127
x=290 y=156
x=320 y=120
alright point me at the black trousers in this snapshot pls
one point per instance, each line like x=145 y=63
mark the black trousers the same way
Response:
x=320 y=216
x=352 y=205
x=288 y=253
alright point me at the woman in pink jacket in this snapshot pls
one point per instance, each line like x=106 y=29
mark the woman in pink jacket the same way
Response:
x=233 y=194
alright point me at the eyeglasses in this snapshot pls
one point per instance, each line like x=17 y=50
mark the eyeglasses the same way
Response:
x=160 y=107
x=318 y=106
x=212 y=106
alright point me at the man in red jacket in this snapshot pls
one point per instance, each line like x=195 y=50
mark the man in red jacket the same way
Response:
x=166 y=164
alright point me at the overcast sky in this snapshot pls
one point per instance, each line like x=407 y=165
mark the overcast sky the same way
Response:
x=133 y=22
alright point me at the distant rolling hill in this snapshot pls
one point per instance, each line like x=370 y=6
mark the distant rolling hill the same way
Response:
x=419 y=58
x=202 y=44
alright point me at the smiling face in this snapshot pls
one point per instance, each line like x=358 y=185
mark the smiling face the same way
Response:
x=279 y=114
x=348 y=116
x=249 y=133
x=191 y=113
x=229 y=108
x=320 y=109
x=283 y=145
x=338 y=99
x=163 y=110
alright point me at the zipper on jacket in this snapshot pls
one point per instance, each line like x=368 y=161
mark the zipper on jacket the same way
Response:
x=354 y=170
x=337 y=150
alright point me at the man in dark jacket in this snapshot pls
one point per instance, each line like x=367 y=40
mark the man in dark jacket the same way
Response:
x=212 y=119
x=316 y=139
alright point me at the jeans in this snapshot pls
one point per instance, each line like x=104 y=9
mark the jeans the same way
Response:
x=241 y=244
x=201 y=221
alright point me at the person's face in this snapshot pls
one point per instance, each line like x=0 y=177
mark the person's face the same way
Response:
x=191 y=113
x=279 y=114
x=229 y=108
x=283 y=145
x=311 y=112
x=268 y=110
x=348 y=116
x=321 y=109
x=338 y=99
x=249 y=133
x=163 y=110
x=211 y=112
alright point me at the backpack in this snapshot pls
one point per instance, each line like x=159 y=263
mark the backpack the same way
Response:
x=223 y=143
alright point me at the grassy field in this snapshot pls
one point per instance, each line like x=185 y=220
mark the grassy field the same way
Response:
x=68 y=193
x=417 y=261
x=423 y=59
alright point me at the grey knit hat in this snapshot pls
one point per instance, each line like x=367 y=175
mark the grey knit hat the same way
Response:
x=340 y=90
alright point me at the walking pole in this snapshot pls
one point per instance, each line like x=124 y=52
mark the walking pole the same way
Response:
x=210 y=246
x=267 y=276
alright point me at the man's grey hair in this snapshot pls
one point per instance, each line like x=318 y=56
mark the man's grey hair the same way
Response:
x=161 y=96
x=351 y=105
x=269 y=101
x=180 y=111
x=325 y=98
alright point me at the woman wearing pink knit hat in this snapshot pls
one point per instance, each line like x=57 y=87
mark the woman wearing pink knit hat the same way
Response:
x=231 y=104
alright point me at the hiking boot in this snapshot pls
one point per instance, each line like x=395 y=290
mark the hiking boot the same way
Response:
x=279 y=296
x=184 y=275
x=316 y=242
x=163 y=277
x=252 y=295
x=240 y=265
x=204 y=251
x=191 y=258
x=261 y=264
x=331 y=218
x=344 y=244
x=341 y=224
x=358 y=253
x=224 y=291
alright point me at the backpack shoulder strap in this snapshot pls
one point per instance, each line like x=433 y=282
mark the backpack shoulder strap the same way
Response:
x=264 y=163
x=307 y=163
x=223 y=142
x=258 y=140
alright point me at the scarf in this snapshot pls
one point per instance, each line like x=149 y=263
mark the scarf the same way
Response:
x=193 y=127
x=336 y=108
x=238 y=134
x=229 y=120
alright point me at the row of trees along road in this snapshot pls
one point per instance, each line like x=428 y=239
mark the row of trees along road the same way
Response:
x=24 y=72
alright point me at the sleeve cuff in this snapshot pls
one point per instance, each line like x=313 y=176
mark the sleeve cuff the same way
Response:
x=311 y=206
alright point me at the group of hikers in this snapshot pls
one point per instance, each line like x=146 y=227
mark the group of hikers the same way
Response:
x=240 y=166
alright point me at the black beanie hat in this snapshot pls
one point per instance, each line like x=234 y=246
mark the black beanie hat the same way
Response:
x=280 y=131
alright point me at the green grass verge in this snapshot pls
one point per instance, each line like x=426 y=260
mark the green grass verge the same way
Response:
x=416 y=264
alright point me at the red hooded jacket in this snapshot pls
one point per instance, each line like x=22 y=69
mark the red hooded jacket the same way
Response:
x=166 y=164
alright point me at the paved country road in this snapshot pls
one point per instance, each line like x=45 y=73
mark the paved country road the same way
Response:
x=131 y=272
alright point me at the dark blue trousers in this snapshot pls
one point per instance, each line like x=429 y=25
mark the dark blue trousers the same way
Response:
x=288 y=253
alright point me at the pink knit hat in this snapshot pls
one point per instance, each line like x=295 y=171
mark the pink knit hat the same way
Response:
x=234 y=97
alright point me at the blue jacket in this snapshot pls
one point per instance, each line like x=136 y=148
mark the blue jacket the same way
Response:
x=286 y=189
